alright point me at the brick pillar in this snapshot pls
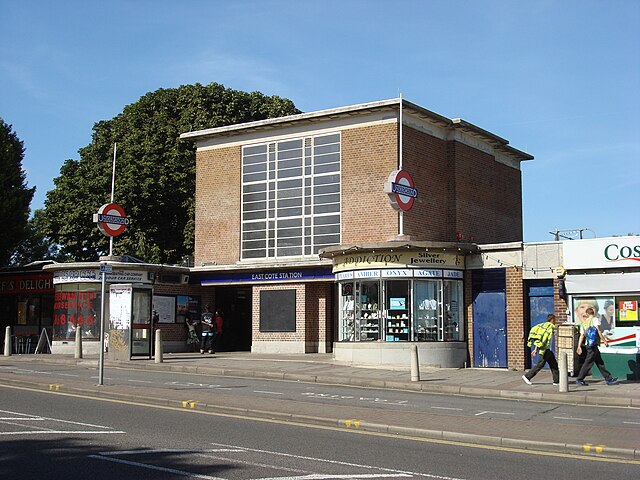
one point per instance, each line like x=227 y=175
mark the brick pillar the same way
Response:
x=516 y=334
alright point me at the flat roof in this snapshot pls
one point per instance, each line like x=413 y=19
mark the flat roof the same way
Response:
x=359 y=109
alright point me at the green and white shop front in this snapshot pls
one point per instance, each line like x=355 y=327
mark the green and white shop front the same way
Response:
x=605 y=273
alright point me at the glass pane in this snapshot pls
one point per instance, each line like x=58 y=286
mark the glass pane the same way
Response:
x=426 y=310
x=397 y=310
x=453 y=315
x=346 y=328
x=369 y=310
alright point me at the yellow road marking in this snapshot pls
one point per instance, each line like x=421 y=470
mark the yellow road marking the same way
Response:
x=189 y=403
x=336 y=429
x=55 y=386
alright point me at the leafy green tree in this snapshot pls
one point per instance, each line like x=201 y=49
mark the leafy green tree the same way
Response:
x=36 y=246
x=15 y=196
x=155 y=172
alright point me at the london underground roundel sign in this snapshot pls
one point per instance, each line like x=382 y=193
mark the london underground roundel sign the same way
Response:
x=111 y=219
x=399 y=187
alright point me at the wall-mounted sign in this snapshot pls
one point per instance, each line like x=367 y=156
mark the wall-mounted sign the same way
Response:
x=611 y=252
x=399 y=187
x=91 y=275
x=111 y=219
x=409 y=258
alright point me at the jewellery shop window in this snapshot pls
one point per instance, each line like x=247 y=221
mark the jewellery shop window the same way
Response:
x=360 y=313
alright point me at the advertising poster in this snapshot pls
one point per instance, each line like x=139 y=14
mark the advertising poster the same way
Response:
x=628 y=311
x=120 y=306
x=165 y=307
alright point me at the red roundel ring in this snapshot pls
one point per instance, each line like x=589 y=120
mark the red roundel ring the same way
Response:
x=112 y=220
x=401 y=191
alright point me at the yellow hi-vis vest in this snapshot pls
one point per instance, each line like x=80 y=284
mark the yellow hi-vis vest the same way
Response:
x=541 y=335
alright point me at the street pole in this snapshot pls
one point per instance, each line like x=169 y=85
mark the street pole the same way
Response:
x=102 y=330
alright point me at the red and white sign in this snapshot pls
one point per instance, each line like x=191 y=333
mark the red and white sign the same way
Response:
x=399 y=187
x=111 y=219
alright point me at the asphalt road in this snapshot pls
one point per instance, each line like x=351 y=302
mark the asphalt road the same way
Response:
x=555 y=415
x=54 y=435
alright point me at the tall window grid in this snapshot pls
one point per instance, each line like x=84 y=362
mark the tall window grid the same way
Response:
x=291 y=197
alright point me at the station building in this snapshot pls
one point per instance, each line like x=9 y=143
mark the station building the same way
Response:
x=296 y=230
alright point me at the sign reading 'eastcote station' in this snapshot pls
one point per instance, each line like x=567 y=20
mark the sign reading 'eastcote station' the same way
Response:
x=612 y=252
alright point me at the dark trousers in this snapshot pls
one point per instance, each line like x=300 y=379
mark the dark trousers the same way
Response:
x=546 y=357
x=593 y=356
x=206 y=341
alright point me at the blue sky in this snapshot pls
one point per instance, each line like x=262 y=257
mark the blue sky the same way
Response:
x=558 y=79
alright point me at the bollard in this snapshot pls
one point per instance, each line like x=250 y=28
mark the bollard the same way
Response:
x=7 y=342
x=415 y=367
x=564 y=373
x=78 y=342
x=158 y=358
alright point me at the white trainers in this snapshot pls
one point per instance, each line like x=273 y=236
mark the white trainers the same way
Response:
x=526 y=380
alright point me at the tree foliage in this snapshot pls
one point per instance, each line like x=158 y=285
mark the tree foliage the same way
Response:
x=36 y=245
x=155 y=172
x=15 y=197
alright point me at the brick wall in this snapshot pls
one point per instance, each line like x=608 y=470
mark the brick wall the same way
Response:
x=488 y=197
x=299 y=334
x=516 y=331
x=218 y=204
x=425 y=158
x=369 y=155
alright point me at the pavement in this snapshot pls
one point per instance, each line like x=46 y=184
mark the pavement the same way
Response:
x=616 y=442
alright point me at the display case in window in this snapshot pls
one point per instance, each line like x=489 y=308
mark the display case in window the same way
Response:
x=347 y=327
x=398 y=319
x=369 y=321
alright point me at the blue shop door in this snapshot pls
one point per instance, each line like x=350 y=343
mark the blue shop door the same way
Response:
x=540 y=295
x=489 y=319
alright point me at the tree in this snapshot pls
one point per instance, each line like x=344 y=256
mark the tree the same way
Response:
x=36 y=245
x=15 y=196
x=155 y=172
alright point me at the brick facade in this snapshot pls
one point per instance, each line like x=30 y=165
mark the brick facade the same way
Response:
x=466 y=193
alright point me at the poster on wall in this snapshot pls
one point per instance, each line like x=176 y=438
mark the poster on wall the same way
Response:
x=187 y=304
x=628 y=311
x=120 y=306
x=165 y=307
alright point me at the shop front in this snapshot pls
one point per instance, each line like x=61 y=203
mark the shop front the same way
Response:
x=604 y=273
x=26 y=298
x=77 y=301
x=391 y=296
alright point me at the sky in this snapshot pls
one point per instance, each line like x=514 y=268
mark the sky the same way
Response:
x=559 y=80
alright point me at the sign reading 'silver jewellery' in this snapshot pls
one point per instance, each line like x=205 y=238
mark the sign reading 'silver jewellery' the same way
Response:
x=408 y=258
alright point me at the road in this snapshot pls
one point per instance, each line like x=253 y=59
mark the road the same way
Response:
x=555 y=415
x=57 y=435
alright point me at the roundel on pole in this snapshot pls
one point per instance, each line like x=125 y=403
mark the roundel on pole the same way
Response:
x=399 y=187
x=111 y=219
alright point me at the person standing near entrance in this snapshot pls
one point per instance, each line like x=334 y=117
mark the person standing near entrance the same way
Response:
x=590 y=337
x=540 y=337
x=207 y=320
x=217 y=330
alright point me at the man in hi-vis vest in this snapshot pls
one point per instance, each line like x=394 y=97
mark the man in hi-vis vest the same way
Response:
x=540 y=337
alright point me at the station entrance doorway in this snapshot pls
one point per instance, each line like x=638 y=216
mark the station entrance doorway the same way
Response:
x=235 y=304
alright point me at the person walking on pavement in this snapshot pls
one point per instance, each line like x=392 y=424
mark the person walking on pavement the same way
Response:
x=540 y=336
x=206 y=320
x=590 y=337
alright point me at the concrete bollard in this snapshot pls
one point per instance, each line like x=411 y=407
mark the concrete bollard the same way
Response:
x=415 y=366
x=158 y=357
x=78 y=353
x=564 y=373
x=7 y=342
